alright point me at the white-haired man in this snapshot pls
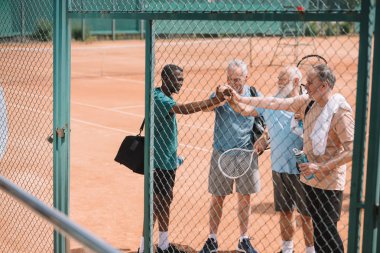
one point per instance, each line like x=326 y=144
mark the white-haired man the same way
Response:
x=328 y=144
x=232 y=130
x=285 y=133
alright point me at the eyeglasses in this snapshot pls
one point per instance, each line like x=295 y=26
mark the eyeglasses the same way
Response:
x=236 y=80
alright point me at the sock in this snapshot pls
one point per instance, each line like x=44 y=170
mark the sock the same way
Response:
x=212 y=236
x=141 y=250
x=310 y=249
x=287 y=246
x=243 y=237
x=163 y=240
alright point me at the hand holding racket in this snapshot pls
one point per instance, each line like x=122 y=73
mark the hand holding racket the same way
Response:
x=235 y=162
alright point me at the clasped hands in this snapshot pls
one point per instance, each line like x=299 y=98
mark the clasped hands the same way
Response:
x=226 y=92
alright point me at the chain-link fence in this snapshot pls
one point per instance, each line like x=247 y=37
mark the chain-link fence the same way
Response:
x=204 y=52
x=200 y=52
x=26 y=83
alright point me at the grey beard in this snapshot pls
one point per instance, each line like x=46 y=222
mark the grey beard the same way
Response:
x=284 y=92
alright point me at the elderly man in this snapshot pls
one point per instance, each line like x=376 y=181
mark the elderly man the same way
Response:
x=285 y=134
x=232 y=130
x=328 y=143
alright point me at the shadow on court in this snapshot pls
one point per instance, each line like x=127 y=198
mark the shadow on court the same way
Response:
x=262 y=208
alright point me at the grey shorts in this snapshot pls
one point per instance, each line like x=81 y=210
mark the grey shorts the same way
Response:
x=220 y=185
x=289 y=193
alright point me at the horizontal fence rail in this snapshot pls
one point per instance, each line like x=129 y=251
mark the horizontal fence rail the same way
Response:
x=212 y=5
x=61 y=222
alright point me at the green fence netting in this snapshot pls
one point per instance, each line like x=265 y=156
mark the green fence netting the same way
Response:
x=26 y=84
x=204 y=52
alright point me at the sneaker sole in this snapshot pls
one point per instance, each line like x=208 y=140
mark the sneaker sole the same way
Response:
x=240 y=250
x=214 y=251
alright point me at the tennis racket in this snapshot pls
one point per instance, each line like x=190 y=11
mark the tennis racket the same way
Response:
x=309 y=61
x=235 y=162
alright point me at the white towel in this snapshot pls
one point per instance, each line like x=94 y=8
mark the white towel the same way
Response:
x=322 y=125
x=296 y=126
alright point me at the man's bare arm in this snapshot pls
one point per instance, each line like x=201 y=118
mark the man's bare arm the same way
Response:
x=244 y=109
x=193 y=107
x=339 y=160
x=264 y=102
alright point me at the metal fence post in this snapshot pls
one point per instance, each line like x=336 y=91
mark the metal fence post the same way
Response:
x=356 y=204
x=371 y=213
x=113 y=29
x=83 y=23
x=148 y=192
x=61 y=115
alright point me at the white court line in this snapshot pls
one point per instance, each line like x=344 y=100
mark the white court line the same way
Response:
x=100 y=108
x=157 y=43
x=126 y=107
x=194 y=147
x=101 y=126
x=107 y=109
x=143 y=82
x=127 y=132
x=138 y=115
x=161 y=43
x=125 y=79
x=106 y=47
x=29 y=109
x=13 y=90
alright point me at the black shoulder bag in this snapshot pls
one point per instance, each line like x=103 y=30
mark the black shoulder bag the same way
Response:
x=131 y=152
x=259 y=125
x=308 y=107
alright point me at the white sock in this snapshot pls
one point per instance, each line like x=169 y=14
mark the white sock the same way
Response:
x=243 y=237
x=163 y=240
x=310 y=249
x=212 y=236
x=287 y=246
x=141 y=250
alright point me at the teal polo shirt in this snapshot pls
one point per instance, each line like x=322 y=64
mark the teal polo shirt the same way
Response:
x=165 y=143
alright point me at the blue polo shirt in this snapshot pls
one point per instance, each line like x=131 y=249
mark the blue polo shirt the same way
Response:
x=283 y=140
x=232 y=130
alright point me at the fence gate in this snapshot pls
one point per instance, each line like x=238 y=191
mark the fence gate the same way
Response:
x=202 y=37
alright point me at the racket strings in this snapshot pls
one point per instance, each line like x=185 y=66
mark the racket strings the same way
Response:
x=235 y=163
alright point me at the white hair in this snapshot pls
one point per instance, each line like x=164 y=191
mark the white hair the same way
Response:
x=240 y=64
x=294 y=72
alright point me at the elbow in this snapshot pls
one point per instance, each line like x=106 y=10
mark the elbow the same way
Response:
x=349 y=155
x=245 y=114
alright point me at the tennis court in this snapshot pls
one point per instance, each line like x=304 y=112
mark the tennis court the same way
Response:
x=107 y=103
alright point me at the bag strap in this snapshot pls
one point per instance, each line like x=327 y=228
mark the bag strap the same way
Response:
x=141 y=127
x=253 y=91
x=309 y=107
